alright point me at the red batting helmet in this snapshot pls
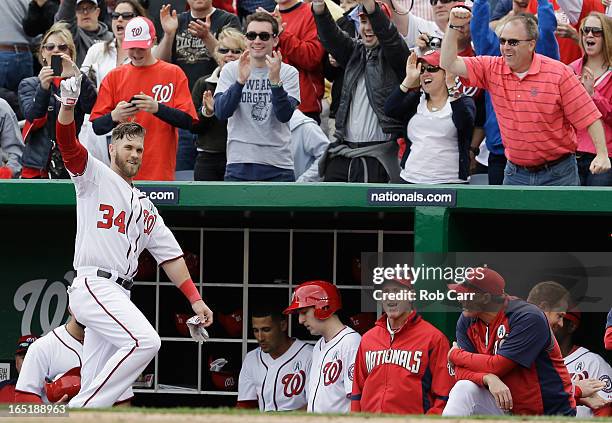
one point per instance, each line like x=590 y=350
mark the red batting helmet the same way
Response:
x=224 y=380
x=321 y=295
x=232 y=323
x=24 y=342
x=67 y=384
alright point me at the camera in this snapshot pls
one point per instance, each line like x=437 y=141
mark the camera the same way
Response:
x=434 y=43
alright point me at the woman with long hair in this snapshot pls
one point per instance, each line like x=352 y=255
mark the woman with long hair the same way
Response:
x=41 y=158
x=439 y=123
x=595 y=72
x=102 y=58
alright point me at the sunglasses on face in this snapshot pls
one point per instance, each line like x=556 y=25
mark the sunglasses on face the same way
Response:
x=434 y=2
x=512 y=42
x=223 y=50
x=126 y=15
x=51 y=46
x=263 y=36
x=429 y=68
x=597 y=32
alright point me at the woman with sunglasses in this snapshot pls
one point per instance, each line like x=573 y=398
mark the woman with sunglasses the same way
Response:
x=102 y=58
x=595 y=72
x=439 y=123
x=41 y=157
x=212 y=132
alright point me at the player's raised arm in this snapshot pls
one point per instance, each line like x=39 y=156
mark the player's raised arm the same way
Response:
x=73 y=153
x=179 y=275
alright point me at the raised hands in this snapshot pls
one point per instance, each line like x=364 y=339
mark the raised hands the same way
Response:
x=413 y=72
x=208 y=103
x=244 y=67
x=274 y=64
x=276 y=15
x=199 y=28
x=459 y=16
x=168 y=19
x=588 y=80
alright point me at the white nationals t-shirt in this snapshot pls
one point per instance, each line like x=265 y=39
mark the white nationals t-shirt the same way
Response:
x=331 y=375
x=584 y=364
x=277 y=384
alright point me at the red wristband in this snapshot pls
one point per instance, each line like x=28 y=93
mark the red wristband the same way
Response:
x=190 y=291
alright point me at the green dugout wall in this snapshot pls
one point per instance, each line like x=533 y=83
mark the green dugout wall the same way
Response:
x=38 y=227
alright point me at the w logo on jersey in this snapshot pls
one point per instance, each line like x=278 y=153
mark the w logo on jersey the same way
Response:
x=294 y=383
x=163 y=93
x=331 y=372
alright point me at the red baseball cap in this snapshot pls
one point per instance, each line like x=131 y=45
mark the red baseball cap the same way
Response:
x=432 y=57
x=24 y=343
x=574 y=315
x=382 y=5
x=139 y=33
x=488 y=281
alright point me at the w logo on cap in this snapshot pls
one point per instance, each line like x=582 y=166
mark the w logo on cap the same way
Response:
x=136 y=31
x=139 y=33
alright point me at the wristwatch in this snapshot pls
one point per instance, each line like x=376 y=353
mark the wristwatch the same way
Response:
x=278 y=85
x=456 y=27
x=454 y=92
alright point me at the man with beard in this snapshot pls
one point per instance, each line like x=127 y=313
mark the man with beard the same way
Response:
x=115 y=223
x=148 y=91
x=400 y=365
x=273 y=376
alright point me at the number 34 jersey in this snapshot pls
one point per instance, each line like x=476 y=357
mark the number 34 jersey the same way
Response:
x=115 y=222
x=277 y=384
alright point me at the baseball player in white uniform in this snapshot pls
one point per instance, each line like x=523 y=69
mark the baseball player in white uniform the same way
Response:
x=274 y=375
x=583 y=364
x=49 y=358
x=115 y=223
x=330 y=380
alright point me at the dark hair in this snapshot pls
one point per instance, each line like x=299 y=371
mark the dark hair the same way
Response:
x=128 y=130
x=138 y=11
x=549 y=292
x=262 y=17
x=269 y=311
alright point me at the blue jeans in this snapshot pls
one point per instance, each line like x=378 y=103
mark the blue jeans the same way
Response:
x=186 y=152
x=564 y=173
x=586 y=177
x=13 y=68
x=243 y=172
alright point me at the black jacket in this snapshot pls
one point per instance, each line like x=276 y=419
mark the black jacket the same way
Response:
x=384 y=66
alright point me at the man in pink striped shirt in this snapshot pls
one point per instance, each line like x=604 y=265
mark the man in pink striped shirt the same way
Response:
x=539 y=103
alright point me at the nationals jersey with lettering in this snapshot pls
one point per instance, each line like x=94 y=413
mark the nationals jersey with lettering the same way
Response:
x=584 y=364
x=331 y=376
x=167 y=84
x=403 y=372
x=115 y=221
x=277 y=384
x=540 y=383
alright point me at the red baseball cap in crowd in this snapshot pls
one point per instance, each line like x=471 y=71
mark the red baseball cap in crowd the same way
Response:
x=488 y=281
x=432 y=57
x=24 y=343
x=139 y=33
x=382 y=5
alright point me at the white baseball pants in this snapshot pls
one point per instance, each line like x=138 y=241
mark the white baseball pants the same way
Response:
x=468 y=399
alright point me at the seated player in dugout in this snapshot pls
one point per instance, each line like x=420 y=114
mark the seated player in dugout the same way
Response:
x=7 y=387
x=506 y=359
x=273 y=376
x=401 y=362
x=589 y=372
x=333 y=359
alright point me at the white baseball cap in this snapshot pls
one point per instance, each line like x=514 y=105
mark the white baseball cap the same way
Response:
x=139 y=33
x=91 y=1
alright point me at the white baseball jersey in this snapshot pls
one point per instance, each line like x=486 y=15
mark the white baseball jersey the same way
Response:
x=115 y=222
x=584 y=364
x=51 y=356
x=331 y=375
x=277 y=384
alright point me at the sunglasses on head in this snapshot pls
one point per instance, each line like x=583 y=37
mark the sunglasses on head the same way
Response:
x=126 y=15
x=263 y=36
x=434 y=2
x=597 y=32
x=223 y=50
x=429 y=68
x=512 y=42
x=51 y=46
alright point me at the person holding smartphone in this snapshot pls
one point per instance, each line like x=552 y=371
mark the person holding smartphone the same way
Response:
x=41 y=158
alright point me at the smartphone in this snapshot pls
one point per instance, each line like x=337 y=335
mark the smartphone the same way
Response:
x=132 y=100
x=56 y=65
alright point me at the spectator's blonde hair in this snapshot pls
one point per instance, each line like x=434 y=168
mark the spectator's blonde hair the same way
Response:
x=230 y=33
x=606 y=25
x=552 y=294
x=61 y=30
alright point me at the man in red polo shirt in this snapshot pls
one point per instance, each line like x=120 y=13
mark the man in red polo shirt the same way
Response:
x=538 y=101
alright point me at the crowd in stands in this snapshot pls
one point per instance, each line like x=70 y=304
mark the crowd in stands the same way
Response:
x=515 y=92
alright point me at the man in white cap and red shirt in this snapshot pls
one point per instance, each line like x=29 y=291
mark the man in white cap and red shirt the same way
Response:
x=506 y=359
x=148 y=91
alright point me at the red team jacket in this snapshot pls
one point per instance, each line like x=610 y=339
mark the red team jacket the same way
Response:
x=519 y=347
x=406 y=374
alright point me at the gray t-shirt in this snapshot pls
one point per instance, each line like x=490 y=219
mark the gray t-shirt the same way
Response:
x=254 y=135
x=12 y=13
x=362 y=123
